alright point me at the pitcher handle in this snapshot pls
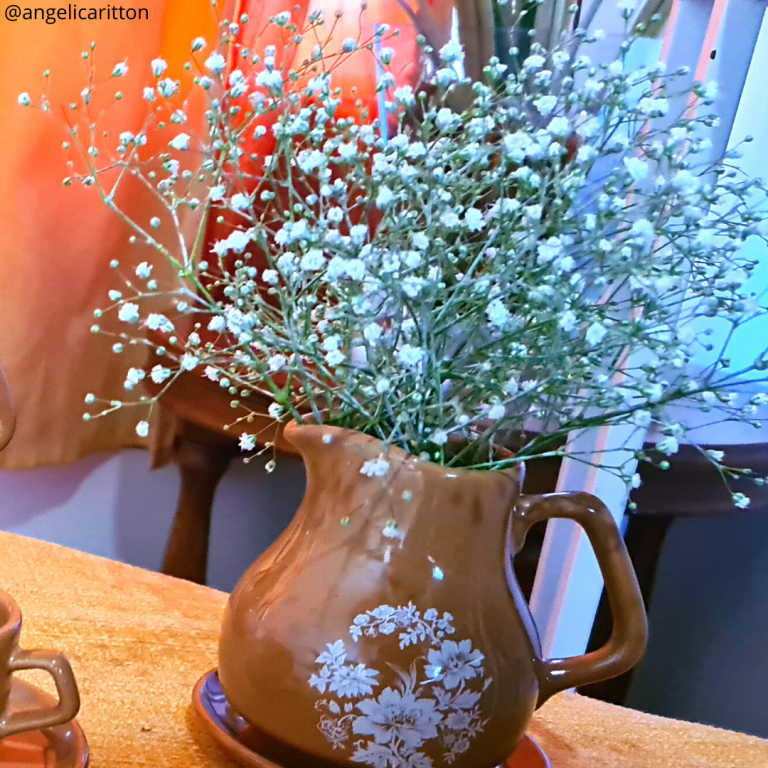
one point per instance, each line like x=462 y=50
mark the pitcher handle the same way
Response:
x=627 y=642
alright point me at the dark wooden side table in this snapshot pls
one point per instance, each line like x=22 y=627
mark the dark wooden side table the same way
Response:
x=194 y=414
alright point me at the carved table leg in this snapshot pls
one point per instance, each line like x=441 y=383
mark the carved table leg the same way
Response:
x=202 y=458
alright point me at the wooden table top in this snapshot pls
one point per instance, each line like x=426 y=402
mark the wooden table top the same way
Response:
x=138 y=642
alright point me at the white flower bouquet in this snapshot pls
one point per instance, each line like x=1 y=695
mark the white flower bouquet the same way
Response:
x=536 y=254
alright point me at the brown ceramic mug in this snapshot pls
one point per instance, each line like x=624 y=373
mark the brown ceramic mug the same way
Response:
x=13 y=659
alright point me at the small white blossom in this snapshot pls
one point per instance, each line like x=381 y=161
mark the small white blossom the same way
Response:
x=372 y=332
x=741 y=501
x=144 y=270
x=312 y=261
x=189 y=361
x=129 y=312
x=133 y=377
x=595 y=333
x=439 y=437
x=545 y=104
x=375 y=468
x=409 y=356
x=180 y=141
x=158 y=322
x=355 y=269
x=358 y=233
x=498 y=314
x=532 y=63
x=449 y=219
x=142 y=428
x=247 y=442
x=412 y=286
x=637 y=168
x=446 y=119
x=643 y=233
x=473 y=219
x=237 y=241
x=240 y=202
x=215 y=63
x=217 y=192
x=277 y=363
x=159 y=374
x=24 y=99
x=497 y=412
x=384 y=197
x=335 y=357
x=452 y=52
x=560 y=127
x=198 y=44
x=404 y=95
x=120 y=69
x=158 y=66
x=211 y=373
x=568 y=321
x=668 y=446
x=167 y=88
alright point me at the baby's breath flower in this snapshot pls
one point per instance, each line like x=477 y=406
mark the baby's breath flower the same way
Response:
x=159 y=374
x=215 y=63
x=740 y=500
x=180 y=141
x=167 y=88
x=158 y=66
x=375 y=467
x=526 y=259
x=247 y=442
x=129 y=312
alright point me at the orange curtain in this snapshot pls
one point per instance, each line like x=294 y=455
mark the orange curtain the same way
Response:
x=57 y=243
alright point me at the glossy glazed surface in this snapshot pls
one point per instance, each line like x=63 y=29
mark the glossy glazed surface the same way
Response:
x=13 y=659
x=61 y=746
x=237 y=739
x=385 y=626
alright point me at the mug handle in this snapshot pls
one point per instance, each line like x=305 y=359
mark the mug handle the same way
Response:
x=57 y=665
x=626 y=644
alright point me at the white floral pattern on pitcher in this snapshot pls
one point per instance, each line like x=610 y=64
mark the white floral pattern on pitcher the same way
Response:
x=437 y=698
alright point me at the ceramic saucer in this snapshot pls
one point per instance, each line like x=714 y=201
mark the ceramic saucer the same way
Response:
x=62 y=746
x=230 y=731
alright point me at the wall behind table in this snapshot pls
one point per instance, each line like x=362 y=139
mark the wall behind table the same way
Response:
x=113 y=505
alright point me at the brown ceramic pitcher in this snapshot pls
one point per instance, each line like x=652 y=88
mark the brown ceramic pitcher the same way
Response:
x=385 y=626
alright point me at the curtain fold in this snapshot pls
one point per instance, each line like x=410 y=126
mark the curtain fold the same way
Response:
x=57 y=243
